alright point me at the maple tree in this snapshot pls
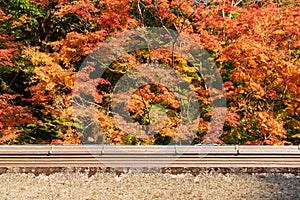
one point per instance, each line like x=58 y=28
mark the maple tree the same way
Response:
x=255 y=46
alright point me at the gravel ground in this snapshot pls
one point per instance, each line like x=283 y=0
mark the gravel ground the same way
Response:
x=140 y=185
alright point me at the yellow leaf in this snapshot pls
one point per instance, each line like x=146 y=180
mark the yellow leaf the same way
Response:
x=296 y=136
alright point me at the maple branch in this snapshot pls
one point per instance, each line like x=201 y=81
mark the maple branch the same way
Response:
x=140 y=12
x=14 y=78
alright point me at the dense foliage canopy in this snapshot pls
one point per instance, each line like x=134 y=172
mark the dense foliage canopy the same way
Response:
x=255 y=45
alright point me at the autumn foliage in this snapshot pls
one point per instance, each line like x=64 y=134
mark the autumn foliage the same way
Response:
x=255 y=46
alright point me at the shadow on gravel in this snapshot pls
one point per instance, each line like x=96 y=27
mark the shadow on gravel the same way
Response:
x=284 y=186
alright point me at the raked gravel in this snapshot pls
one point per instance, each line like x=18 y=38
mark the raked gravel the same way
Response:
x=142 y=186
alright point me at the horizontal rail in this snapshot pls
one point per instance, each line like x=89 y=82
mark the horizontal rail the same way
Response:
x=149 y=156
